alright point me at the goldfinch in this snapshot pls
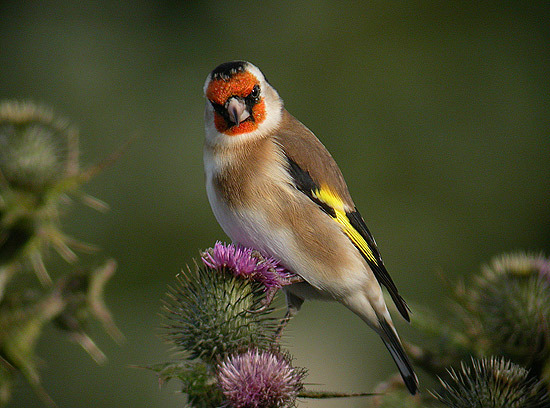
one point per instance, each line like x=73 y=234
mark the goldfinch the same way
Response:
x=274 y=187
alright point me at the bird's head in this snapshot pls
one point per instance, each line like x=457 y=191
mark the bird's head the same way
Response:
x=240 y=101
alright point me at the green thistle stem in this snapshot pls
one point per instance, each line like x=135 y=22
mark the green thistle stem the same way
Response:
x=329 y=394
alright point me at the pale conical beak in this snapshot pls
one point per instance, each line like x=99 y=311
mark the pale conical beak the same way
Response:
x=237 y=110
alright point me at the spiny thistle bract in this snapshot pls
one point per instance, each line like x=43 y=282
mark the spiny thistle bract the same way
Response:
x=508 y=310
x=494 y=383
x=213 y=313
x=69 y=302
x=39 y=174
x=259 y=379
x=38 y=168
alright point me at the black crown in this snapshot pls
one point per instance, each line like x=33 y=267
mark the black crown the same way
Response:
x=227 y=70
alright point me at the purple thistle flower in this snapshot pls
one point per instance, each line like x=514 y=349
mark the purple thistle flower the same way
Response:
x=259 y=379
x=543 y=265
x=249 y=264
x=237 y=260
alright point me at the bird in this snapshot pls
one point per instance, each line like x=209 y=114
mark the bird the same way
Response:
x=274 y=187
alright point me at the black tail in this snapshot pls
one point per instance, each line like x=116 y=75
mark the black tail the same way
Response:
x=395 y=348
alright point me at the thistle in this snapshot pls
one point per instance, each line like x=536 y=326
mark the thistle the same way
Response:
x=249 y=264
x=69 y=302
x=36 y=147
x=39 y=173
x=508 y=310
x=38 y=169
x=495 y=383
x=259 y=379
x=220 y=322
x=212 y=313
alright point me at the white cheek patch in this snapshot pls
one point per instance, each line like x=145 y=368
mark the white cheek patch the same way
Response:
x=254 y=70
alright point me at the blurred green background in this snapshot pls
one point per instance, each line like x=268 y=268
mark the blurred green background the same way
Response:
x=437 y=112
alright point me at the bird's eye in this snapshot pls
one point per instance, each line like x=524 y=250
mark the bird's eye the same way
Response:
x=255 y=93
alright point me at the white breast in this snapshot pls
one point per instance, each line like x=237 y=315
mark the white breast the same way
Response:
x=255 y=227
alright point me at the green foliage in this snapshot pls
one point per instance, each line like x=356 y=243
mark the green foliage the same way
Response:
x=69 y=303
x=197 y=381
x=39 y=171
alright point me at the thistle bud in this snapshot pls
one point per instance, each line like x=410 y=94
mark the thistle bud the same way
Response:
x=38 y=170
x=212 y=313
x=509 y=310
x=492 y=382
x=34 y=146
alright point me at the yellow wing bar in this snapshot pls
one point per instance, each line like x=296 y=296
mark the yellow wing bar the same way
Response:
x=331 y=199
